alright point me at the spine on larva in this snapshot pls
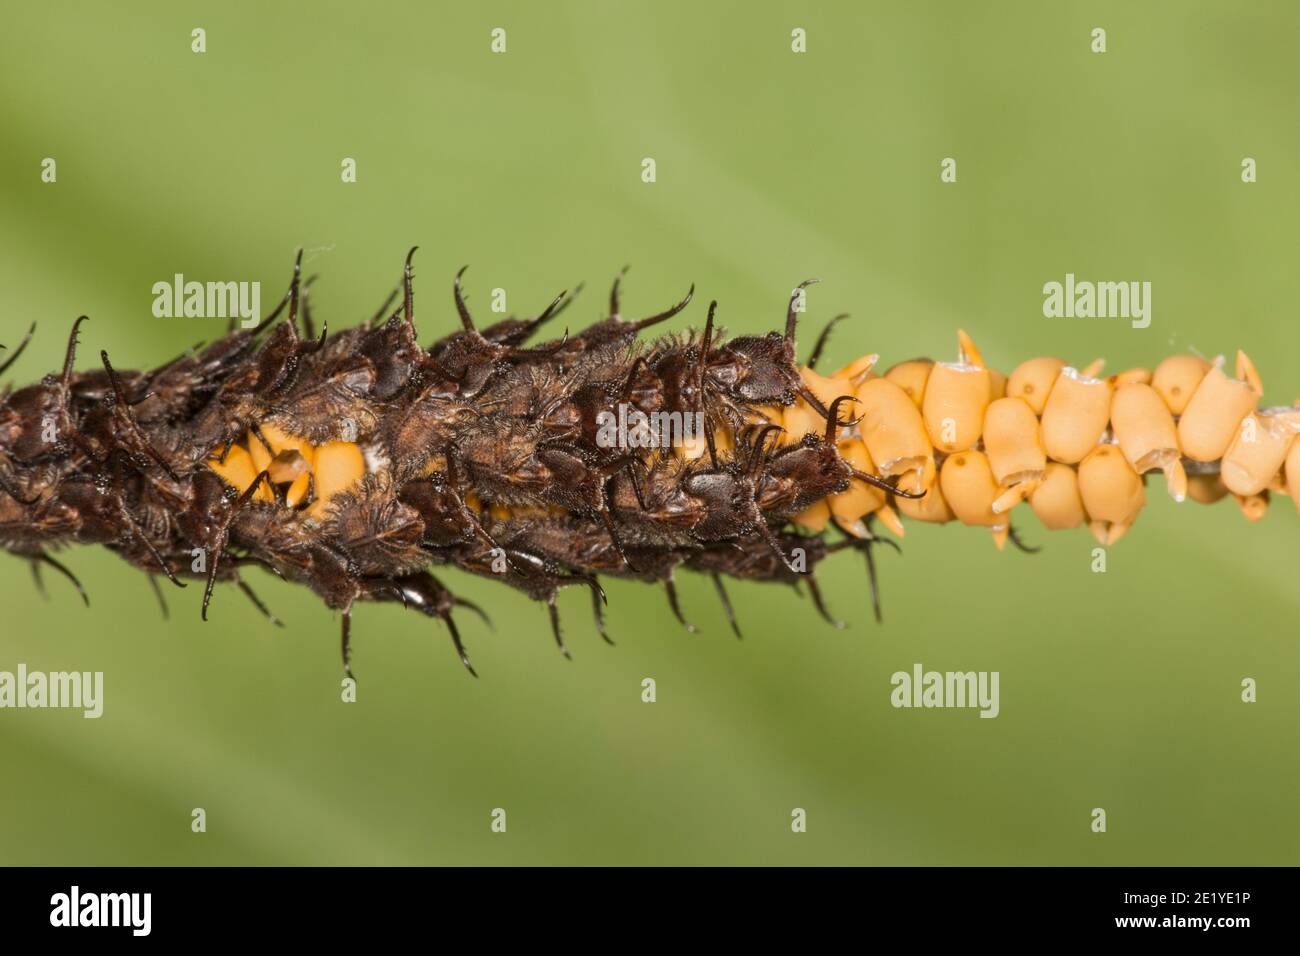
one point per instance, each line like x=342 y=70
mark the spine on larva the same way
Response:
x=358 y=462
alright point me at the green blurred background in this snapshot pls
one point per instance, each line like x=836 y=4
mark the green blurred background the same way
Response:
x=1119 y=690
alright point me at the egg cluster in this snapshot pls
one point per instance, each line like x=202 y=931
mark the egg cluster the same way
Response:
x=1071 y=443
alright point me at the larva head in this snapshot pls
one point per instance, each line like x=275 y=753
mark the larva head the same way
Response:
x=726 y=497
x=759 y=369
x=799 y=475
x=756 y=370
x=447 y=520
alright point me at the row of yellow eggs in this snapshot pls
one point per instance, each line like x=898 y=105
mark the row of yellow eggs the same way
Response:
x=1070 y=442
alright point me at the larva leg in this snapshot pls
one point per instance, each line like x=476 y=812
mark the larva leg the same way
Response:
x=554 y=615
x=598 y=612
x=864 y=544
x=144 y=539
x=249 y=593
x=58 y=566
x=726 y=604
x=875 y=584
x=425 y=593
x=474 y=609
x=122 y=407
x=816 y=593
x=1014 y=537
x=671 y=588
x=158 y=593
x=13 y=492
x=217 y=546
x=346 y=644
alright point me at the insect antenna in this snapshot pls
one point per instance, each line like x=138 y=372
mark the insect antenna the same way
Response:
x=383 y=309
x=70 y=358
x=408 y=293
x=514 y=332
x=614 y=312
x=4 y=366
x=823 y=339
x=308 y=325
x=667 y=313
x=290 y=298
x=792 y=313
x=705 y=344
x=791 y=321
x=461 y=308
x=295 y=293
x=558 y=305
x=568 y=301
